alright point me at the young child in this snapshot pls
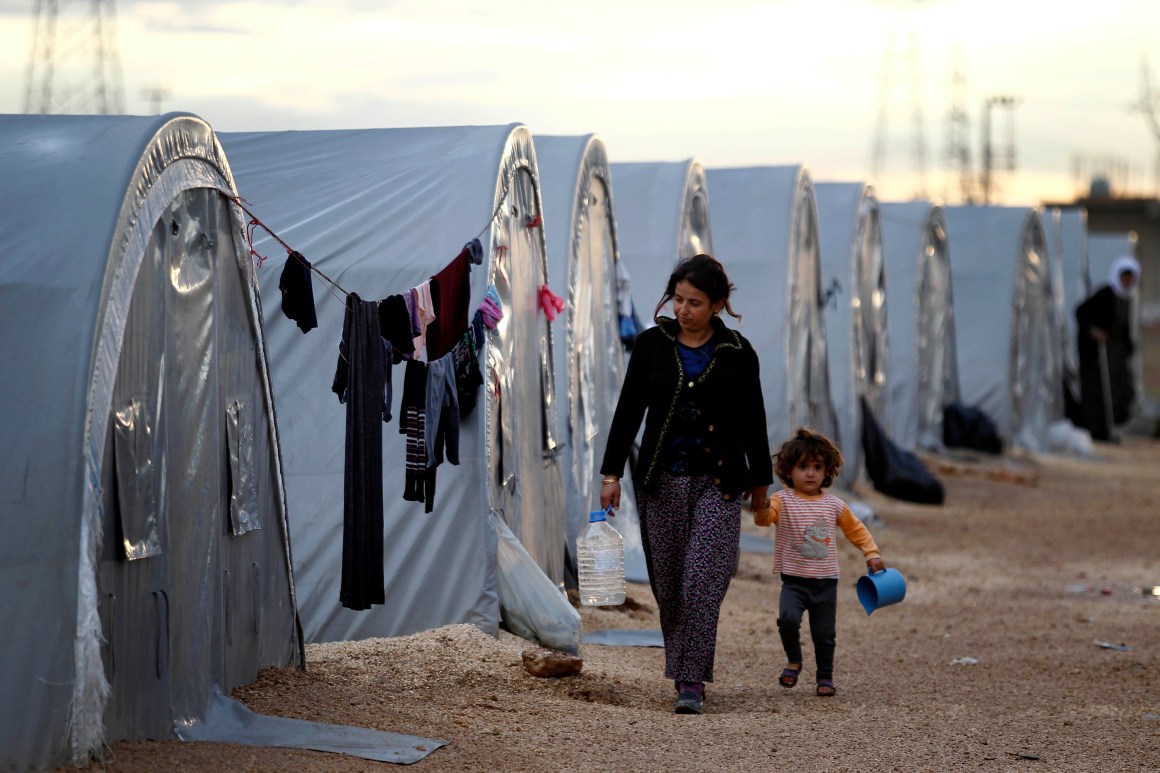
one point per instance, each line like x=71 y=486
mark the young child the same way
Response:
x=805 y=550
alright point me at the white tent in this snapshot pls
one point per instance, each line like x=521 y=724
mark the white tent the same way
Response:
x=1067 y=243
x=576 y=188
x=662 y=217
x=924 y=375
x=381 y=211
x=854 y=282
x=1008 y=337
x=767 y=237
x=145 y=557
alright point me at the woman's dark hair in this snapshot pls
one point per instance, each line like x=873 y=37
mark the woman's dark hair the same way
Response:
x=706 y=274
x=807 y=445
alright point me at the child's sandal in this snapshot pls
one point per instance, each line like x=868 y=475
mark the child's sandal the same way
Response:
x=826 y=688
x=789 y=677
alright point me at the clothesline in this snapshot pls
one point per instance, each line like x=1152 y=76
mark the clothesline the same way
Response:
x=472 y=252
x=495 y=214
x=255 y=223
x=549 y=302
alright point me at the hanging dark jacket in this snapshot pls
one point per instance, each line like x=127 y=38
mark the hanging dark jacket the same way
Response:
x=728 y=392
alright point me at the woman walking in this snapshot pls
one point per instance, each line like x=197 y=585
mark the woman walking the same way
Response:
x=696 y=386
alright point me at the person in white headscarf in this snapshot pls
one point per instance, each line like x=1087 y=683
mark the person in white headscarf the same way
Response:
x=1104 y=322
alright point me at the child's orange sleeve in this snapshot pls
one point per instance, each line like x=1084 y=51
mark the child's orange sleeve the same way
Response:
x=858 y=534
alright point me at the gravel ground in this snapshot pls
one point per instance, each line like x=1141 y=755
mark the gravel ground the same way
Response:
x=1029 y=563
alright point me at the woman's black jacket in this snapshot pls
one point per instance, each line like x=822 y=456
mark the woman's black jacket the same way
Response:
x=728 y=392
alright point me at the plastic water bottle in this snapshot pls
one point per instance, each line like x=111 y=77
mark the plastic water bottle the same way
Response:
x=600 y=555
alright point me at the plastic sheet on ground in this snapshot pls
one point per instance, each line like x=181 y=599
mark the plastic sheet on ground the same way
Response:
x=228 y=721
x=626 y=637
x=751 y=543
x=636 y=570
x=865 y=512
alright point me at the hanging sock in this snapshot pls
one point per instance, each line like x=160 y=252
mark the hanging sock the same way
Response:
x=395 y=326
x=491 y=308
x=492 y=313
x=474 y=251
x=468 y=378
x=413 y=424
x=298 y=292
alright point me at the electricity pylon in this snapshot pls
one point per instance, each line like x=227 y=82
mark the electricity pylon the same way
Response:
x=997 y=156
x=1149 y=105
x=904 y=63
x=958 y=147
x=74 y=66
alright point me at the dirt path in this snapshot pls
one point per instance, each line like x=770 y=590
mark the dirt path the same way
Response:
x=1021 y=571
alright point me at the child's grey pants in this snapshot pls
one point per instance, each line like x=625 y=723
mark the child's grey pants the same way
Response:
x=819 y=597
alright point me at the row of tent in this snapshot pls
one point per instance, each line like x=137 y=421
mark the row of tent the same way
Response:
x=173 y=457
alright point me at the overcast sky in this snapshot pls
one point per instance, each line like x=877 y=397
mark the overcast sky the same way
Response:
x=729 y=82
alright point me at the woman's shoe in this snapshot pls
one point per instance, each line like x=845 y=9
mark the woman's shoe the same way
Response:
x=689 y=702
x=690 y=698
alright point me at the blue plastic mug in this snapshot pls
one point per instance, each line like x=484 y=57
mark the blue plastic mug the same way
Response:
x=881 y=589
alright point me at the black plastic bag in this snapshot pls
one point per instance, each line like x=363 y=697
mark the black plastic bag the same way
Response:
x=894 y=471
x=966 y=427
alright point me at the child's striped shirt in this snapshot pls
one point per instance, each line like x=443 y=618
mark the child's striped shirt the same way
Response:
x=805 y=544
